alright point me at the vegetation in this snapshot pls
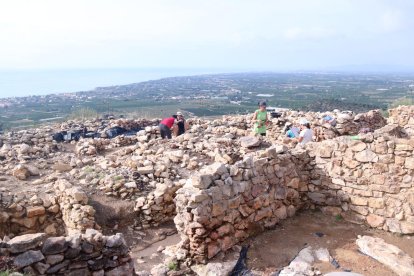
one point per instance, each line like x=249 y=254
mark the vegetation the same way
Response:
x=402 y=101
x=214 y=95
x=173 y=266
x=84 y=113
x=338 y=218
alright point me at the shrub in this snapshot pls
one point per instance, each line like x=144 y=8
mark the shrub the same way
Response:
x=402 y=101
x=83 y=113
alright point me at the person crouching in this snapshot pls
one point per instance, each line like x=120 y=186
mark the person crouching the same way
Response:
x=166 y=125
x=306 y=133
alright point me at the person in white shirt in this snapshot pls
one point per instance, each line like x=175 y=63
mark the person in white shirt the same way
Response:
x=306 y=134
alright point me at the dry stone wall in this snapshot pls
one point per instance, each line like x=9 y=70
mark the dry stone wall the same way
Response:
x=36 y=215
x=404 y=117
x=67 y=211
x=222 y=205
x=76 y=213
x=367 y=181
x=158 y=206
x=80 y=254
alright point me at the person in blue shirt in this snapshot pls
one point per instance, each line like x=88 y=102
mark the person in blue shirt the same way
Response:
x=291 y=131
x=330 y=120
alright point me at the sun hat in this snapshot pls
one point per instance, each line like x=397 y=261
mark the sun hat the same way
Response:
x=179 y=113
x=288 y=124
x=303 y=121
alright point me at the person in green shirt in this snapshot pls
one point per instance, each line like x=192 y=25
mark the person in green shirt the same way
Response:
x=260 y=119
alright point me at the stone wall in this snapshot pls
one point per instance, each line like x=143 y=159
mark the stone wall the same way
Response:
x=369 y=180
x=68 y=212
x=76 y=213
x=158 y=206
x=222 y=205
x=35 y=215
x=404 y=117
x=79 y=254
x=366 y=181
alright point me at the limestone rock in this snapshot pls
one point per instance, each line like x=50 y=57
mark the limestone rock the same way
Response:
x=27 y=258
x=393 y=257
x=214 y=269
x=250 y=142
x=35 y=211
x=62 y=167
x=21 y=172
x=366 y=156
x=115 y=240
x=145 y=170
x=25 y=242
x=54 y=245
x=375 y=221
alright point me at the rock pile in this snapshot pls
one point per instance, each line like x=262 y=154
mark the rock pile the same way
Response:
x=82 y=254
x=25 y=151
x=91 y=146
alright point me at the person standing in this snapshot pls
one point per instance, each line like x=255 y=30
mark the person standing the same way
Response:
x=166 y=126
x=306 y=133
x=260 y=119
x=181 y=124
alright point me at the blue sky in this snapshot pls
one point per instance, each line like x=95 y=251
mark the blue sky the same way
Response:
x=222 y=34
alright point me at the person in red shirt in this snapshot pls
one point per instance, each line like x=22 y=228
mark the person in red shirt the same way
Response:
x=166 y=125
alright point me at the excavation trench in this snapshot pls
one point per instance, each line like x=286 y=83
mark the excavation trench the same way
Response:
x=118 y=216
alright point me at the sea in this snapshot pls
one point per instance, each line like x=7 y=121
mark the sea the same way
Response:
x=21 y=83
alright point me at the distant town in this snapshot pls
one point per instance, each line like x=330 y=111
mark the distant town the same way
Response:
x=212 y=95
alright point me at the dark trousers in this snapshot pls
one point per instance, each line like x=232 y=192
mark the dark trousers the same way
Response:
x=165 y=131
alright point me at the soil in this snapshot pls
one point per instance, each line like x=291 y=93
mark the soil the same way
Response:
x=269 y=251
x=118 y=216
x=274 y=249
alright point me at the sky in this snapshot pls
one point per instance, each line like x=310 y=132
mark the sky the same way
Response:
x=214 y=35
x=233 y=34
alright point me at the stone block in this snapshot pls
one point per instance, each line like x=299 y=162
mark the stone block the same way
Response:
x=35 y=211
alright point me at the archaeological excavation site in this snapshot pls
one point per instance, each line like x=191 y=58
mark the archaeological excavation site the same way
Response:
x=110 y=197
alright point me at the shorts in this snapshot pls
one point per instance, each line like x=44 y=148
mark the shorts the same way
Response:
x=165 y=131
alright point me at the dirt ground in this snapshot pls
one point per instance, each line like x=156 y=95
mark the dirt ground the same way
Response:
x=274 y=249
x=269 y=251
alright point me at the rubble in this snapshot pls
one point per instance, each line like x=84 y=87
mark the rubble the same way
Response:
x=217 y=182
x=77 y=254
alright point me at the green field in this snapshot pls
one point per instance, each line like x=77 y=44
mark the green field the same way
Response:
x=212 y=95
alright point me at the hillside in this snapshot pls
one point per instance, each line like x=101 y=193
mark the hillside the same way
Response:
x=212 y=95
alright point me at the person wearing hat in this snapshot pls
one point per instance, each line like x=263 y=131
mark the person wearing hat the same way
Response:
x=260 y=119
x=291 y=130
x=306 y=133
x=182 y=125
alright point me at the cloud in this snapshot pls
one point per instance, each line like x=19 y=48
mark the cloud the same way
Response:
x=173 y=33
